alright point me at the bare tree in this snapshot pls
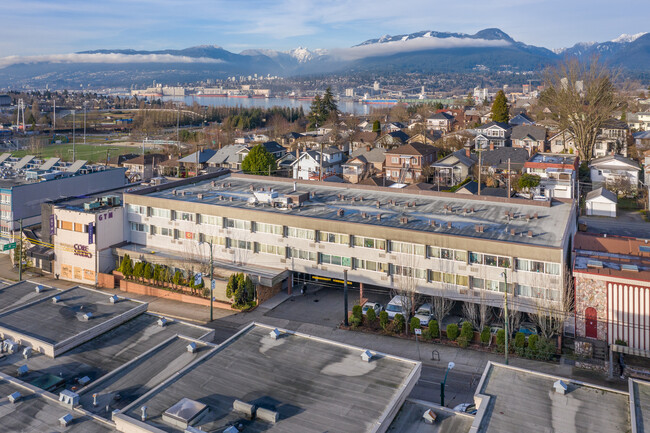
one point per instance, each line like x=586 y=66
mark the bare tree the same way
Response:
x=441 y=307
x=406 y=286
x=477 y=314
x=582 y=96
x=549 y=315
x=470 y=313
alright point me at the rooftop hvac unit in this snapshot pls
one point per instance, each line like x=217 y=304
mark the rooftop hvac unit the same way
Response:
x=14 y=397
x=429 y=416
x=247 y=409
x=65 y=420
x=9 y=346
x=69 y=398
x=275 y=334
x=267 y=415
x=83 y=381
x=27 y=352
x=23 y=370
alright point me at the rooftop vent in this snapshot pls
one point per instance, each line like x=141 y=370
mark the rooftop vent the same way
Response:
x=191 y=347
x=275 y=334
x=535 y=215
x=530 y=233
x=340 y=212
x=378 y=217
x=162 y=322
x=449 y=225
x=247 y=409
x=13 y=398
x=27 y=352
x=23 y=370
x=378 y=204
x=83 y=381
x=69 y=398
x=39 y=289
x=87 y=316
x=429 y=416
x=65 y=420
x=267 y=415
x=513 y=232
x=404 y=220
x=594 y=264
x=560 y=387
x=56 y=299
x=364 y=215
x=251 y=187
x=367 y=355
x=199 y=196
x=173 y=192
x=185 y=413
x=633 y=268
x=143 y=411
x=114 y=299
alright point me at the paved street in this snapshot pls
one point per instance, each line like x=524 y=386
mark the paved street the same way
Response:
x=319 y=313
x=626 y=224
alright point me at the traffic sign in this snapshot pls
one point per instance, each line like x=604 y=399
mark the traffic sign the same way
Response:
x=10 y=246
x=418 y=331
x=214 y=284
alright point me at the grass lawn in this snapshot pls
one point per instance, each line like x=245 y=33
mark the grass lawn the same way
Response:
x=88 y=152
x=625 y=203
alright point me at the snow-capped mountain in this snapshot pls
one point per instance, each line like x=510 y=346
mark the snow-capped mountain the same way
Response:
x=625 y=38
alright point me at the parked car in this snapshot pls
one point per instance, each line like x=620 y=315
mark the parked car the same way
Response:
x=469 y=408
x=395 y=307
x=424 y=313
x=496 y=327
x=528 y=329
x=374 y=305
x=448 y=320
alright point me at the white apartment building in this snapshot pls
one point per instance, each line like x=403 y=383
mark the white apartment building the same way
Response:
x=444 y=245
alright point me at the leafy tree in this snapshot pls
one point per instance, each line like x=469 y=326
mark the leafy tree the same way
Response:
x=138 y=270
x=177 y=279
x=323 y=109
x=371 y=316
x=467 y=331
x=501 y=338
x=415 y=323
x=148 y=271
x=250 y=289
x=500 y=111
x=398 y=323
x=528 y=182
x=158 y=273
x=485 y=335
x=357 y=316
x=452 y=331
x=258 y=161
x=469 y=101
x=383 y=320
x=127 y=266
x=376 y=126
x=582 y=97
x=231 y=287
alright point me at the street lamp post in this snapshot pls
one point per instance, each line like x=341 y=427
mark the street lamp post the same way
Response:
x=505 y=312
x=444 y=381
x=211 y=280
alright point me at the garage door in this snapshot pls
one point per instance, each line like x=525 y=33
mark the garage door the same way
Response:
x=603 y=209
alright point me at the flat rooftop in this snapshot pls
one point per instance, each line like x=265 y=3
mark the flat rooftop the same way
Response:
x=315 y=386
x=553 y=158
x=53 y=323
x=36 y=413
x=128 y=383
x=15 y=295
x=409 y=419
x=431 y=213
x=640 y=395
x=525 y=401
x=102 y=354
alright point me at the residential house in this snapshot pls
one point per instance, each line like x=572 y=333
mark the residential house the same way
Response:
x=363 y=163
x=492 y=135
x=530 y=137
x=391 y=140
x=558 y=174
x=143 y=167
x=362 y=139
x=427 y=137
x=377 y=181
x=291 y=137
x=405 y=163
x=601 y=202
x=454 y=168
x=273 y=147
x=642 y=140
x=646 y=169
x=308 y=165
x=640 y=120
x=615 y=171
x=562 y=142
x=197 y=161
x=521 y=119
x=394 y=126
x=612 y=286
x=229 y=156
x=441 y=121
x=471 y=188
x=502 y=159
x=612 y=139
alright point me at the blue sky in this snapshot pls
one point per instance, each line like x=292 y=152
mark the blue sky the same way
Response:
x=36 y=27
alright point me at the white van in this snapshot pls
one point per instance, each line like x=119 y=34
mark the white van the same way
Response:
x=394 y=307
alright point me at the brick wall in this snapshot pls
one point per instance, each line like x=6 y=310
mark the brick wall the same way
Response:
x=264 y=293
x=106 y=281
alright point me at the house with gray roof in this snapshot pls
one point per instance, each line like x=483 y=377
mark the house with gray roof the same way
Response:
x=497 y=160
x=229 y=156
x=454 y=168
x=530 y=137
x=364 y=163
x=492 y=135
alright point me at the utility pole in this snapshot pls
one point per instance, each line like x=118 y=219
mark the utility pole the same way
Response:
x=54 y=119
x=505 y=312
x=320 y=164
x=479 y=171
x=508 y=180
x=20 y=252
x=345 y=297
x=84 y=122
x=74 y=128
x=211 y=280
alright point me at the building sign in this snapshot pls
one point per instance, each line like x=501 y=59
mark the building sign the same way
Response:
x=52 y=225
x=189 y=235
x=82 y=251
x=91 y=233
x=105 y=216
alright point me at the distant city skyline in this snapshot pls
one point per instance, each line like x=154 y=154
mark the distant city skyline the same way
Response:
x=37 y=27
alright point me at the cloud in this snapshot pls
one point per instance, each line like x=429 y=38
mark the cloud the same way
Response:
x=410 y=45
x=103 y=58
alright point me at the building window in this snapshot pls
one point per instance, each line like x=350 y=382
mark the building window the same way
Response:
x=211 y=220
x=302 y=254
x=185 y=216
x=241 y=245
x=328 y=259
x=294 y=232
x=161 y=213
x=334 y=238
x=66 y=225
x=272 y=249
x=268 y=228
x=407 y=248
x=165 y=231
x=238 y=224
x=361 y=242
x=478 y=283
x=369 y=265
x=476 y=258
x=141 y=210
x=137 y=227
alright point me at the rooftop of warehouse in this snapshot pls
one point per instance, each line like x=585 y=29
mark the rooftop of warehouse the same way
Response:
x=502 y=219
x=314 y=385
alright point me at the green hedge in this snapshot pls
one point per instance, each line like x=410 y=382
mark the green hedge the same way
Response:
x=452 y=331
